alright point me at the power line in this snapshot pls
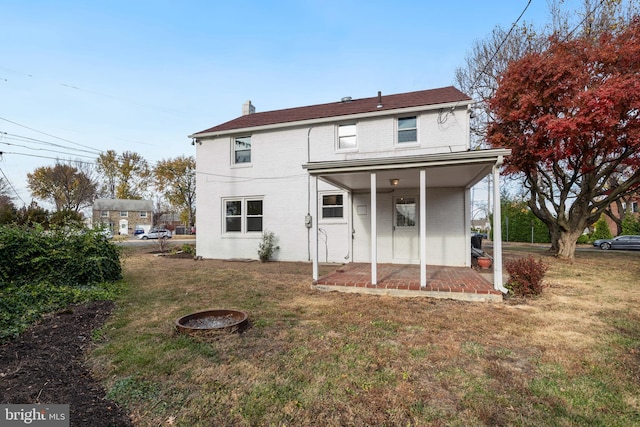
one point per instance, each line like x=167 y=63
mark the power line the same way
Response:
x=21 y=138
x=11 y=185
x=504 y=40
x=47 y=134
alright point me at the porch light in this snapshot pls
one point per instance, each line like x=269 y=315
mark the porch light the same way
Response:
x=394 y=182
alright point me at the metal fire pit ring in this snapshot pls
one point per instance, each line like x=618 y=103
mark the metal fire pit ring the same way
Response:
x=212 y=320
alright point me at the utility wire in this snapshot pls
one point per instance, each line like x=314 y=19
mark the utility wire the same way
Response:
x=11 y=185
x=47 y=134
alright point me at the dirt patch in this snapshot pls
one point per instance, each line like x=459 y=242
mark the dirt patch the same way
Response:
x=46 y=365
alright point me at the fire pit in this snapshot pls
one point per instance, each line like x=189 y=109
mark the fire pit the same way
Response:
x=212 y=320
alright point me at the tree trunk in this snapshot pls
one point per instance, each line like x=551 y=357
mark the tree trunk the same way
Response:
x=567 y=244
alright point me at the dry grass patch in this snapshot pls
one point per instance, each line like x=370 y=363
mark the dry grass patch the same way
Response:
x=313 y=358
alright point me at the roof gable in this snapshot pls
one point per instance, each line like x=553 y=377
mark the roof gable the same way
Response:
x=443 y=95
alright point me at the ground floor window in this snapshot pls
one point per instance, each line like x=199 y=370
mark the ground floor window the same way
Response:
x=243 y=215
x=332 y=206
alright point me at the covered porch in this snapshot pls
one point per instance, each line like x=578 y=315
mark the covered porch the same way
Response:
x=458 y=283
x=440 y=238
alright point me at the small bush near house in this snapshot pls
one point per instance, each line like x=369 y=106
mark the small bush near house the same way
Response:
x=525 y=276
x=188 y=249
x=268 y=246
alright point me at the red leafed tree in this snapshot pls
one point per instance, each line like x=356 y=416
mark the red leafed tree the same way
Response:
x=571 y=116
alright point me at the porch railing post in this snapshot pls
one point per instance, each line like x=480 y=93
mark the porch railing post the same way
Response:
x=374 y=231
x=314 y=226
x=423 y=228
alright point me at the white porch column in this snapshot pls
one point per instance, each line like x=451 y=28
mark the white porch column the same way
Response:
x=374 y=231
x=423 y=228
x=497 y=230
x=314 y=225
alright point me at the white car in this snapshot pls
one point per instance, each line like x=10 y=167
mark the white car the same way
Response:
x=155 y=233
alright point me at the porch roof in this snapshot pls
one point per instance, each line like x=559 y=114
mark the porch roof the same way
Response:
x=457 y=169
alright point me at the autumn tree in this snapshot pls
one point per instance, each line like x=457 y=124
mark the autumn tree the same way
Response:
x=571 y=116
x=125 y=176
x=66 y=186
x=176 y=179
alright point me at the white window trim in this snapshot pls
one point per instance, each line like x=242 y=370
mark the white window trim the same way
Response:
x=126 y=214
x=104 y=214
x=243 y=217
x=400 y=145
x=143 y=214
x=338 y=149
x=345 y=199
x=233 y=152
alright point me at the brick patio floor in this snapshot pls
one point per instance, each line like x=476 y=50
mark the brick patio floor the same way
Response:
x=461 y=283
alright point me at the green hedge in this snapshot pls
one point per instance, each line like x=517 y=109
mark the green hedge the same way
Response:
x=61 y=257
x=46 y=270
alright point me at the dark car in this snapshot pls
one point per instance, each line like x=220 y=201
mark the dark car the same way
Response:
x=620 y=242
x=138 y=231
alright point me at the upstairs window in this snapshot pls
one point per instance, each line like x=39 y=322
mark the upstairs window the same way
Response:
x=104 y=214
x=124 y=214
x=407 y=130
x=242 y=150
x=347 y=137
x=332 y=206
x=143 y=214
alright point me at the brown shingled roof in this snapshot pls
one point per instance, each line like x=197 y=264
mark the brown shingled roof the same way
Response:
x=365 y=105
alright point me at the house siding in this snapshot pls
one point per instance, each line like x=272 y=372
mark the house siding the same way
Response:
x=446 y=237
x=377 y=137
x=276 y=176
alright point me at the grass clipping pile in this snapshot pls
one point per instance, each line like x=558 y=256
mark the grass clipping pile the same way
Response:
x=46 y=365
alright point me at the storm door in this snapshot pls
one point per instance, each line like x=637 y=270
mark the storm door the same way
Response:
x=406 y=239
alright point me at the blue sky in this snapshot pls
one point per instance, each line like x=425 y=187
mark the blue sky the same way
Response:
x=142 y=75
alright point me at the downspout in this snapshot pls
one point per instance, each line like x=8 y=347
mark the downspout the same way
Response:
x=497 y=229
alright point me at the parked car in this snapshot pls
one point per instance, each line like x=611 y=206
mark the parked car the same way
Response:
x=620 y=242
x=107 y=233
x=155 y=233
x=138 y=231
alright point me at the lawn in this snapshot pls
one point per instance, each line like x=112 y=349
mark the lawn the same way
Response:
x=569 y=357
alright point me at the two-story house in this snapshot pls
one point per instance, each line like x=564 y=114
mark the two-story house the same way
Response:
x=384 y=179
x=123 y=216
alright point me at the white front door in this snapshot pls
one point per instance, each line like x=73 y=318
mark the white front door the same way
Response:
x=124 y=227
x=406 y=239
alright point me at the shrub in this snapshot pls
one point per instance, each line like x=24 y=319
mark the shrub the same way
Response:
x=188 y=249
x=61 y=256
x=602 y=230
x=525 y=276
x=584 y=239
x=46 y=270
x=630 y=224
x=268 y=246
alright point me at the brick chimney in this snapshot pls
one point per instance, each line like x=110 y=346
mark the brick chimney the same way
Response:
x=248 y=108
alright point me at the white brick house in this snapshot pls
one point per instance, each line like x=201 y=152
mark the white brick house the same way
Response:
x=384 y=179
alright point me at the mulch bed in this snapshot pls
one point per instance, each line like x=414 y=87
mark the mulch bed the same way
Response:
x=46 y=365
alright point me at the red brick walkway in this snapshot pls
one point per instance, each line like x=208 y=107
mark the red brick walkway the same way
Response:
x=462 y=283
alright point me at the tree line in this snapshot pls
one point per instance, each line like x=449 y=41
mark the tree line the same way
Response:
x=74 y=185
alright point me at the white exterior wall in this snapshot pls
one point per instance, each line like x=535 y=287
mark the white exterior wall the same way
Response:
x=377 y=137
x=276 y=176
x=446 y=232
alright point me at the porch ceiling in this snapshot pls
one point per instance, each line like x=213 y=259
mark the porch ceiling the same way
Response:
x=463 y=169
